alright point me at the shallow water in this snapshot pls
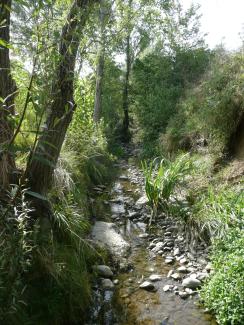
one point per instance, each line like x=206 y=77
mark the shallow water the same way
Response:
x=129 y=304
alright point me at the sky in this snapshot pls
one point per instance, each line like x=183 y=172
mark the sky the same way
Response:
x=223 y=20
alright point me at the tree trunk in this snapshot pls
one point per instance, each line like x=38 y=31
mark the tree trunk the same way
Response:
x=126 y=121
x=100 y=67
x=7 y=92
x=41 y=167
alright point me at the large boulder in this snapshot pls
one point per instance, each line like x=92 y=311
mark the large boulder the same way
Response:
x=107 y=235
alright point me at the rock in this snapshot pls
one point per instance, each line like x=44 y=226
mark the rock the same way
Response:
x=116 y=281
x=167 y=249
x=158 y=247
x=169 y=243
x=142 y=201
x=176 y=276
x=123 y=177
x=176 y=251
x=182 y=269
x=169 y=259
x=151 y=245
x=133 y=214
x=167 y=234
x=202 y=276
x=188 y=290
x=191 y=283
x=180 y=239
x=107 y=235
x=155 y=277
x=183 y=294
x=107 y=284
x=167 y=288
x=190 y=256
x=170 y=273
x=103 y=271
x=183 y=260
x=208 y=267
x=147 y=285
x=144 y=235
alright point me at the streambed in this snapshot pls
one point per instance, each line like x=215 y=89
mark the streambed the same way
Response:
x=166 y=301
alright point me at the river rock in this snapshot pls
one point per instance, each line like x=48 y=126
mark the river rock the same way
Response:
x=167 y=287
x=107 y=284
x=133 y=214
x=167 y=249
x=182 y=269
x=103 y=271
x=158 y=247
x=123 y=177
x=183 y=260
x=142 y=201
x=176 y=251
x=155 y=277
x=107 y=235
x=183 y=294
x=191 y=283
x=147 y=285
x=176 y=276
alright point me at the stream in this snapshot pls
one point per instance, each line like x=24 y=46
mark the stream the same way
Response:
x=148 y=271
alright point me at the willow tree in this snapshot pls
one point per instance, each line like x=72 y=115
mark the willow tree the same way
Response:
x=100 y=64
x=7 y=92
x=62 y=105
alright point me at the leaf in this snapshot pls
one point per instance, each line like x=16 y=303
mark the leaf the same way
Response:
x=37 y=195
x=4 y=43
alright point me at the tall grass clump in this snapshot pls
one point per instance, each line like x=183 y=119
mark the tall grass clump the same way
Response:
x=211 y=212
x=163 y=178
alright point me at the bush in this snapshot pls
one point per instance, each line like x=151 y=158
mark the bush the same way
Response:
x=224 y=292
x=212 y=110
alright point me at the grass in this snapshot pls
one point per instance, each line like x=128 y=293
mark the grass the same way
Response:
x=163 y=178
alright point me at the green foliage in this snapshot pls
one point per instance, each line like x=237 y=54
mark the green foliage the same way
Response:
x=163 y=178
x=212 y=110
x=159 y=81
x=16 y=258
x=87 y=141
x=224 y=292
x=219 y=209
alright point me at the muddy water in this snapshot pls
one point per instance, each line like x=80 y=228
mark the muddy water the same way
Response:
x=129 y=304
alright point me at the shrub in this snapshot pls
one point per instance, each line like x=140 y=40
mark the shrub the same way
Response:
x=224 y=292
x=212 y=110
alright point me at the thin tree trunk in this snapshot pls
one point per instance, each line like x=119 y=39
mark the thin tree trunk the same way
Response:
x=7 y=92
x=126 y=120
x=43 y=162
x=100 y=67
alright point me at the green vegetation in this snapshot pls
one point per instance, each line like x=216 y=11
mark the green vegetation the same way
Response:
x=224 y=292
x=163 y=178
x=139 y=71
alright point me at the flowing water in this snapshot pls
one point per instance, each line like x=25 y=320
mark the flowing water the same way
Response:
x=128 y=304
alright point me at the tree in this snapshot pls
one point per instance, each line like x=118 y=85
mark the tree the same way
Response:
x=7 y=93
x=62 y=106
x=100 y=65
